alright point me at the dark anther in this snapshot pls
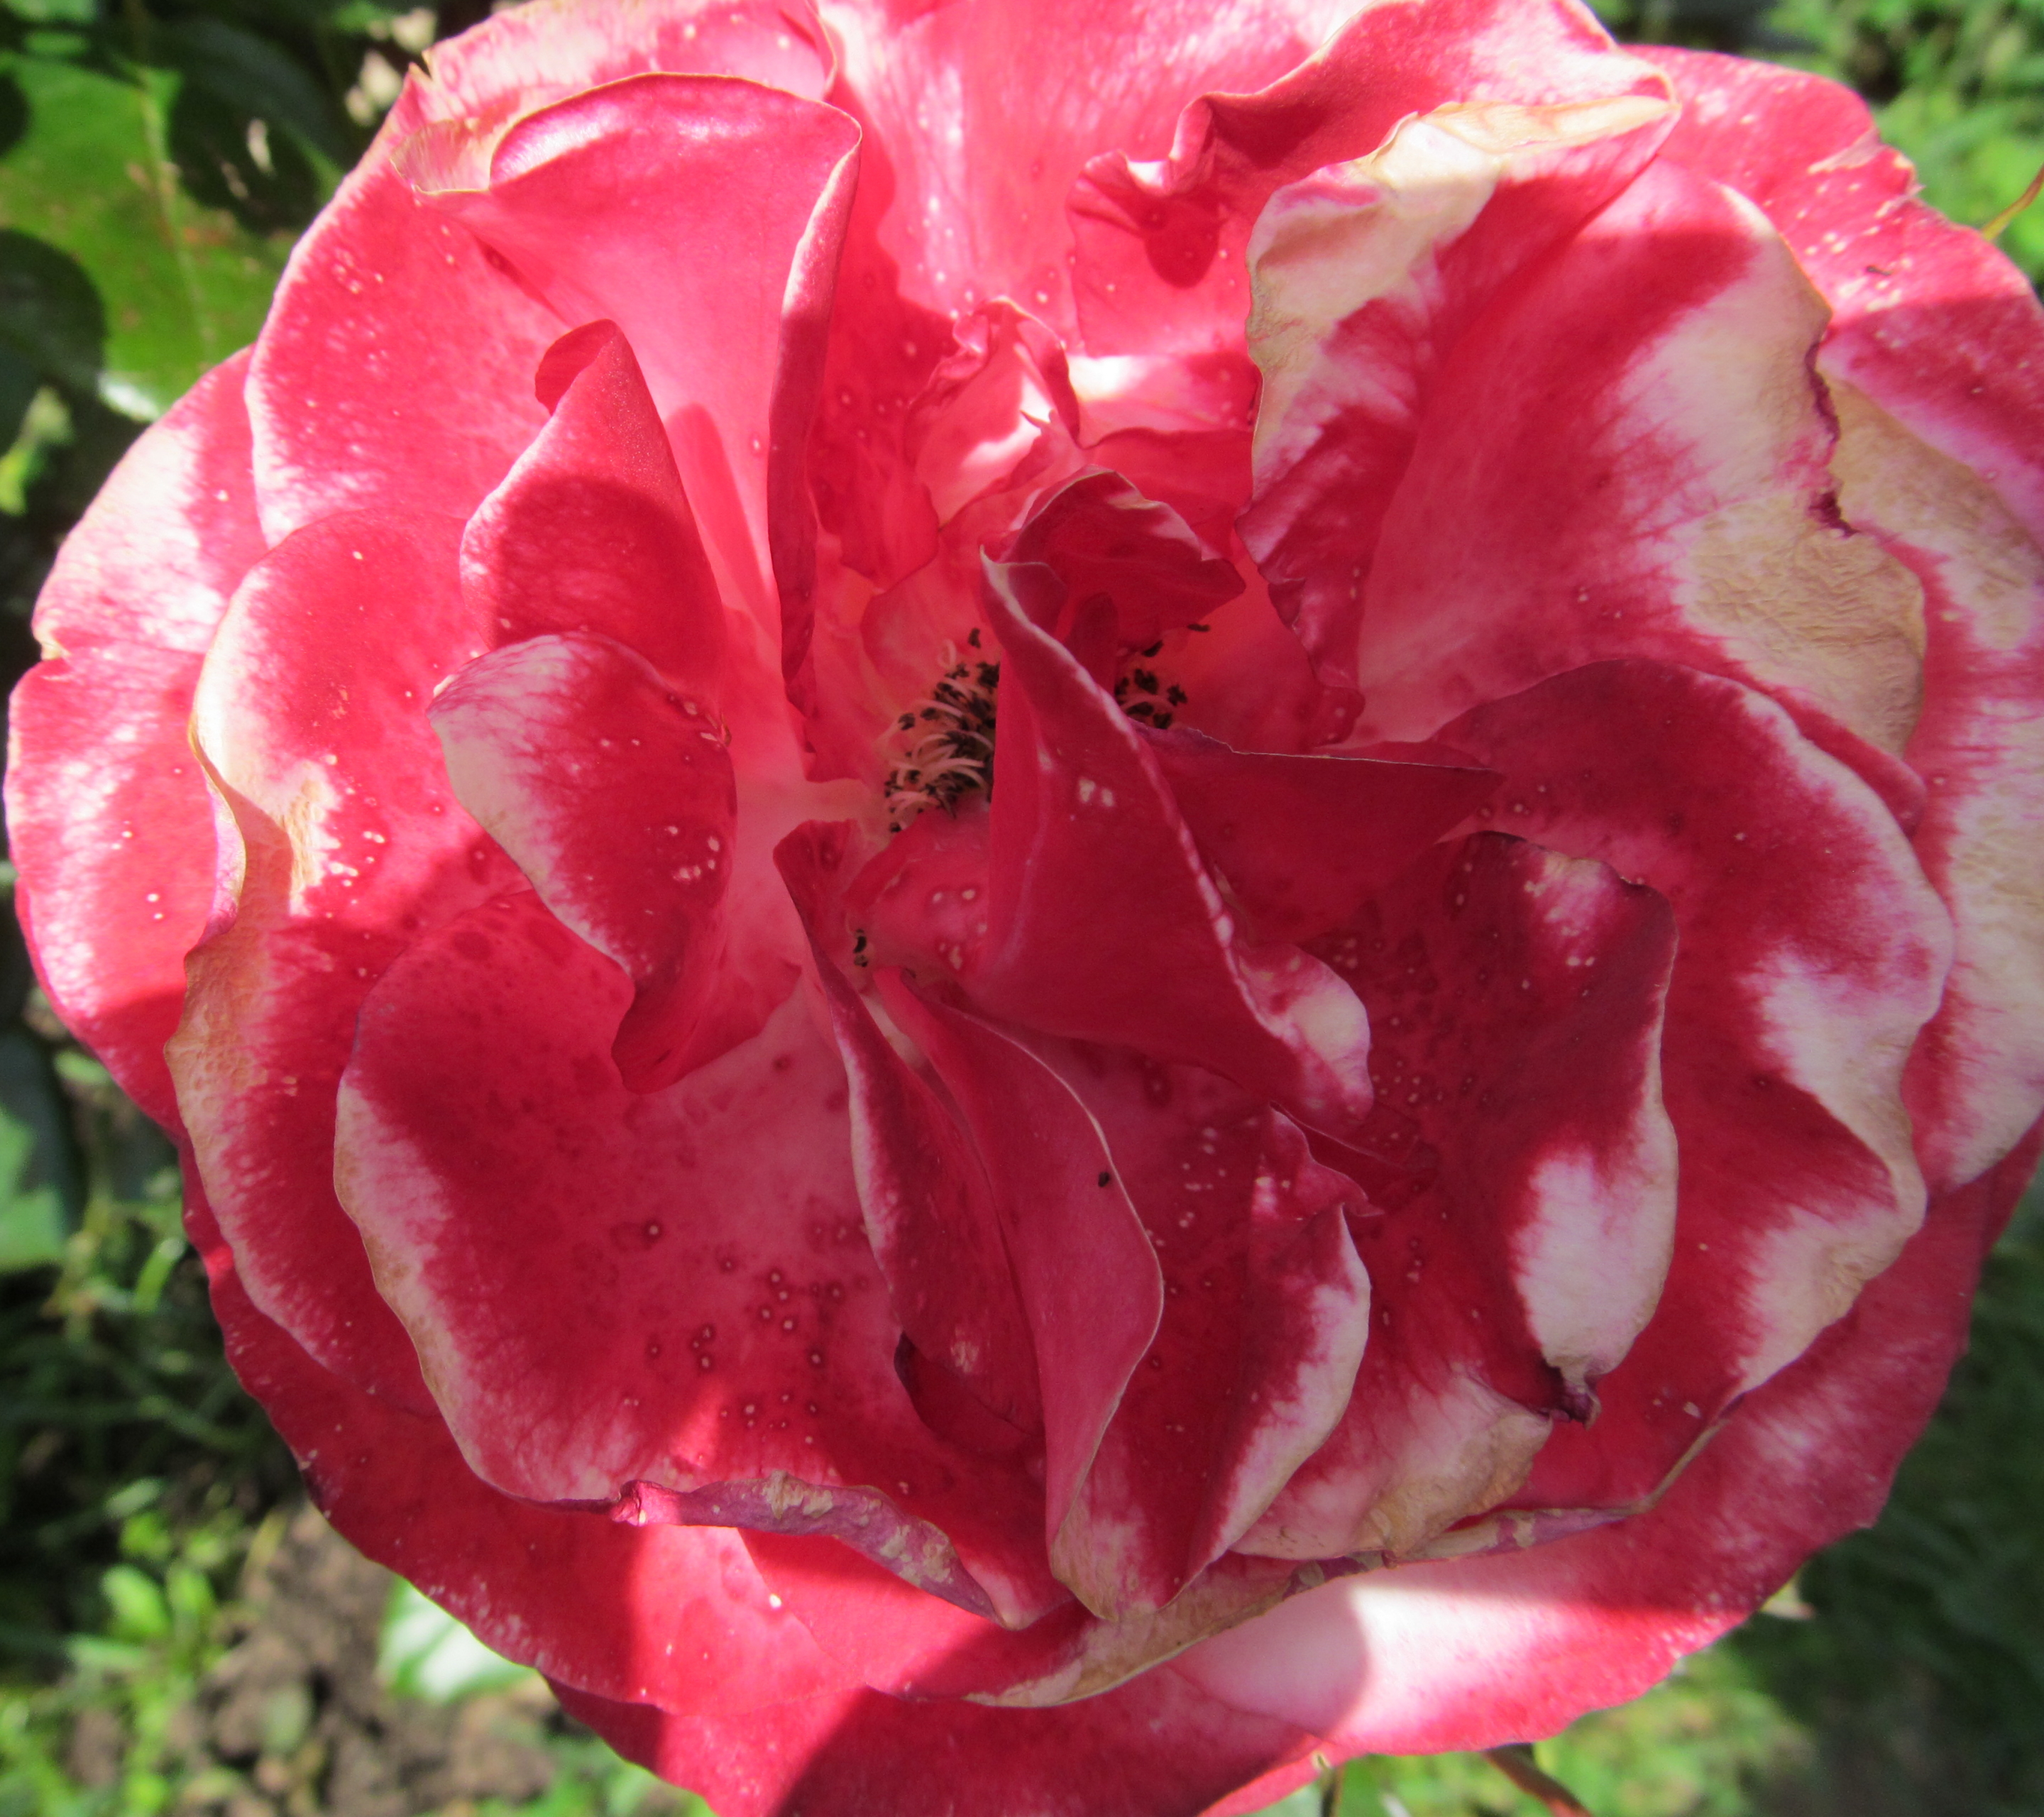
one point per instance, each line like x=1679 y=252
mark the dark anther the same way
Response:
x=1162 y=722
x=972 y=637
x=1176 y=695
x=1146 y=679
x=1107 y=1179
x=1153 y=648
x=1199 y=628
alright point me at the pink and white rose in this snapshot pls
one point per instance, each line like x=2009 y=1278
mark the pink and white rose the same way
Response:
x=1047 y=898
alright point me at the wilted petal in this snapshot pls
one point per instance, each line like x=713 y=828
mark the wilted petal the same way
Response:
x=1637 y=429
x=1931 y=366
x=1365 y=275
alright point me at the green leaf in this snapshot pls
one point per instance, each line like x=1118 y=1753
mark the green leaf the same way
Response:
x=136 y=1601
x=426 y=1653
x=180 y=286
x=39 y=1191
x=258 y=79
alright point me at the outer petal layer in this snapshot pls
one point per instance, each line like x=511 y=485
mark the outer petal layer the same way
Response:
x=310 y=718
x=108 y=822
x=1936 y=360
x=1485 y=1650
x=673 y=1613
x=1159 y=1747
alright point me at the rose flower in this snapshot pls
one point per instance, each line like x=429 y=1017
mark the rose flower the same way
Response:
x=1046 y=899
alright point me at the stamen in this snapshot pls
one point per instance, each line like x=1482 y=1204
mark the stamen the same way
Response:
x=953 y=754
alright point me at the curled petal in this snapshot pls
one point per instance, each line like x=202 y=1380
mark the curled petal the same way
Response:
x=930 y=1208
x=1160 y=240
x=590 y=531
x=1638 y=426
x=1484 y=1651
x=1104 y=925
x=1365 y=277
x=1811 y=951
x=681 y=208
x=1522 y=1170
x=1059 y=1195
x=612 y=793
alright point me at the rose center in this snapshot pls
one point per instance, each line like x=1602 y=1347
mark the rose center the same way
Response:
x=945 y=741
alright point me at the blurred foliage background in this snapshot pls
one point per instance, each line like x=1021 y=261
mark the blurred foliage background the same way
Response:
x=177 y=1633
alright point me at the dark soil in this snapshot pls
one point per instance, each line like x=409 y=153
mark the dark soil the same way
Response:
x=294 y=1723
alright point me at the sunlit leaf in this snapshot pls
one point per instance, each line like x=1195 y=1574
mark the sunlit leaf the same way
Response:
x=181 y=286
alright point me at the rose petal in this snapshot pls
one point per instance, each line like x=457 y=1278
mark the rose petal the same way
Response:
x=672 y=1612
x=1933 y=361
x=1159 y=1747
x=1524 y=1175
x=694 y=212
x=1056 y=1193
x=159 y=553
x=1480 y=1651
x=1264 y=1315
x=1160 y=244
x=310 y=714
x=1102 y=537
x=982 y=124
x=518 y=61
x=1104 y=926
x=1811 y=953
x=1975 y=1078
x=1365 y=275
x=1639 y=430
x=393 y=368
x=109 y=825
x=108 y=822
x=613 y=794
x=1305 y=841
x=665 y=1298
x=929 y=1209
x=591 y=530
